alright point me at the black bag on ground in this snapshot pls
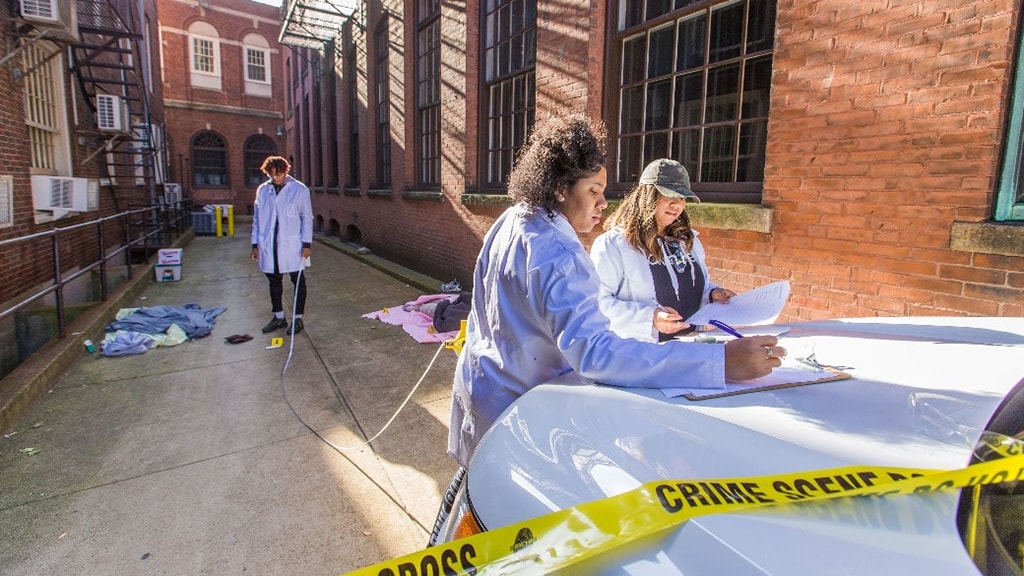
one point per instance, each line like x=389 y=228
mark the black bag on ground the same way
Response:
x=448 y=315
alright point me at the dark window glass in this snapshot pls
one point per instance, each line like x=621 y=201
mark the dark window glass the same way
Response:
x=353 y=118
x=382 y=75
x=257 y=148
x=209 y=160
x=695 y=84
x=510 y=53
x=428 y=94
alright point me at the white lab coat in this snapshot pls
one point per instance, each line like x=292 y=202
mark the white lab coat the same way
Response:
x=627 y=284
x=291 y=208
x=535 y=316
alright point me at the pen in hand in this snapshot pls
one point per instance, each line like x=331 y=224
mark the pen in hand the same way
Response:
x=725 y=328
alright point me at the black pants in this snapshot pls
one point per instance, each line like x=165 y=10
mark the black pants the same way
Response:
x=277 y=288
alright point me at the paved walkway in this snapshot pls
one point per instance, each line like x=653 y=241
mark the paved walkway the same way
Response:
x=202 y=459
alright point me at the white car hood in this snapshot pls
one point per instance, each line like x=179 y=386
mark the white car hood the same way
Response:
x=561 y=445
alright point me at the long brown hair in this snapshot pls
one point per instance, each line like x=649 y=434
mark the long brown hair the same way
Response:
x=636 y=217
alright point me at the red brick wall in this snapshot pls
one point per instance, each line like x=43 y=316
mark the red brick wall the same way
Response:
x=230 y=112
x=885 y=129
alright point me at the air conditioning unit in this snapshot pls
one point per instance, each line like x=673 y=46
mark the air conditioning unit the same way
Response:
x=111 y=113
x=172 y=194
x=57 y=17
x=63 y=194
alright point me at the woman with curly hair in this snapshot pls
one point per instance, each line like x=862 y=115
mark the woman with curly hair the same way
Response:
x=650 y=260
x=535 y=314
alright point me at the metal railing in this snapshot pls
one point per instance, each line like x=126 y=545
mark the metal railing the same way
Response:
x=148 y=227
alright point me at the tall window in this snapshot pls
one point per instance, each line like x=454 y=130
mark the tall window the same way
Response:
x=257 y=148
x=203 y=59
x=209 y=160
x=695 y=87
x=382 y=76
x=428 y=91
x=510 y=55
x=353 y=117
x=44 y=110
x=204 y=56
x=1010 y=199
x=256 y=65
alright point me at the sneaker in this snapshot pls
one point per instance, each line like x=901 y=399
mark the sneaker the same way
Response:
x=452 y=287
x=275 y=324
x=296 y=327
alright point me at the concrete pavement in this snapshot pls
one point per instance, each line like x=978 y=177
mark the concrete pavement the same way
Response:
x=203 y=459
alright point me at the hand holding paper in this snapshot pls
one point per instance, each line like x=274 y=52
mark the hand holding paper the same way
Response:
x=758 y=306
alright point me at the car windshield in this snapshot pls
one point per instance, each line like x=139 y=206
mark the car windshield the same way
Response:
x=991 y=517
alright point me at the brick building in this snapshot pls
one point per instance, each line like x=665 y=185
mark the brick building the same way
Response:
x=80 y=126
x=223 y=84
x=868 y=153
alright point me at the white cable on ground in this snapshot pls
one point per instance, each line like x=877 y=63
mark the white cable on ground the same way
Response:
x=284 y=386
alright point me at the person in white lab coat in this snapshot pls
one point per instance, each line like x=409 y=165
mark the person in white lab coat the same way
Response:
x=535 y=313
x=651 y=261
x=282 y=238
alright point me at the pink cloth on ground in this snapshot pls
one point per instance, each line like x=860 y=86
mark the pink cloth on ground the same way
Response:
x=416 y=324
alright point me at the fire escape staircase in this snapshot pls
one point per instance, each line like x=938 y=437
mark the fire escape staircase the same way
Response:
x=108 y=64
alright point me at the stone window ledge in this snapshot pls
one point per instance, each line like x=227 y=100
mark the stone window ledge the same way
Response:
x=749 y=217
x=1004 y=238
x=423 y=195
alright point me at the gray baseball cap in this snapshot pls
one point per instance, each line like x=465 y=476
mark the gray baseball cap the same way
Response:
x=670 y=178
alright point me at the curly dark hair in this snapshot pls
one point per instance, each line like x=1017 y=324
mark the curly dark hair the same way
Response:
x=560 y=151
x=636 y=217
x=275 y=164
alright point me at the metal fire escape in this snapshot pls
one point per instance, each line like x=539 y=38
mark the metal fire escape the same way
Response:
x=109 y=64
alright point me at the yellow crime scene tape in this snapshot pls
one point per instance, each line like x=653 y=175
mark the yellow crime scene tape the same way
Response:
x=560 y=539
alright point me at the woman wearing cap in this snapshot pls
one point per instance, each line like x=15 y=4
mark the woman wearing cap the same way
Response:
x=650 y=261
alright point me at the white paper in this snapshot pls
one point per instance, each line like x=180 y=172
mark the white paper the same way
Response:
x=758 y=306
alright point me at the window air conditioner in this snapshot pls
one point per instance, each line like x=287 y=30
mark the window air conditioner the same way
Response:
x=172 y=194
x=57 y=17
x=63 y=194
x=111 y=113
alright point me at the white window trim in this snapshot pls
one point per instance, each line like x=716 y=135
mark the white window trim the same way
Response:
x=266 y=63
x=192 y=54
x=52 y=70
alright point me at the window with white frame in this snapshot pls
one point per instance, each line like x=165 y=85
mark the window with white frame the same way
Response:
x=45 y=113
x=256 y=54
x=204 y=56
x=6 y=201
x=203 y=59
x=256 y=65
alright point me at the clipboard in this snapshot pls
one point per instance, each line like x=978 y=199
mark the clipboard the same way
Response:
x=793 y=372
x=787 y=378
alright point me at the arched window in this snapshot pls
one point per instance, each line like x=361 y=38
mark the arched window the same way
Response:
x=257 y=148
x=256 y=55
x=204 y=55
x=209 y=160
